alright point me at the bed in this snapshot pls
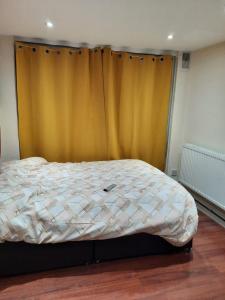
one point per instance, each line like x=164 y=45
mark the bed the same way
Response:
x=58 y=214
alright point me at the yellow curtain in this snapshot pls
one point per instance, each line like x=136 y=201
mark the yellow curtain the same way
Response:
x=60 y=103
x=137 y=93
x=76 y=105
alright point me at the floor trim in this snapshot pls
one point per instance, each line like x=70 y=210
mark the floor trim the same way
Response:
x=210 y=214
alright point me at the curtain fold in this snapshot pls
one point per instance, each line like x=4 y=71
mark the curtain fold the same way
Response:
x=85 y=105
x=137 y=93
x=60 y=103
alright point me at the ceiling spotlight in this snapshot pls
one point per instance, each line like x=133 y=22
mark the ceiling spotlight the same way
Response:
x=49 y=24
x=170 y=37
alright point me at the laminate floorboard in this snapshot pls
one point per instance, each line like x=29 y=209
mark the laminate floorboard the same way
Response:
x=198 y=275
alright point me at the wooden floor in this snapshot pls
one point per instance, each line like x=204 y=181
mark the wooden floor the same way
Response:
x=200 y=275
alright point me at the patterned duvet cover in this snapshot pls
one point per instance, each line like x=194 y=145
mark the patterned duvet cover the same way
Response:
x=42 y=202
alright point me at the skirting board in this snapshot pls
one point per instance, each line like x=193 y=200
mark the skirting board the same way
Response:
x=211 y=215
x=209 y=209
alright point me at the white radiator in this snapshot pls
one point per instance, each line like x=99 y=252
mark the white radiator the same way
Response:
x=203 y=171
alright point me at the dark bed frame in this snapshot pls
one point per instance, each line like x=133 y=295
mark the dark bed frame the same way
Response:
x=20 y=257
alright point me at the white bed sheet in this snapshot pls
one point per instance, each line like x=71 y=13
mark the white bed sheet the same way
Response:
x=42 y=202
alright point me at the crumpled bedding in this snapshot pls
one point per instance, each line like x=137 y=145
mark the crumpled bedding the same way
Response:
x=42 y=202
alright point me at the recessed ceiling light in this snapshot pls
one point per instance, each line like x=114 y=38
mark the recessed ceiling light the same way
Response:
x=170 y=37
x=49 y=24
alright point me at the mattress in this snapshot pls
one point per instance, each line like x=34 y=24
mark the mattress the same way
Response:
x=43 y=202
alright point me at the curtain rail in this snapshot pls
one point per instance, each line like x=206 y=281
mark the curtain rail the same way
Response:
x=91 y=46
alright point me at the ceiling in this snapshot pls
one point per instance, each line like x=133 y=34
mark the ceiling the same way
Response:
x=133 y=23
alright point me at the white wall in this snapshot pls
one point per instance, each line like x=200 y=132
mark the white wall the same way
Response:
x=199 y=104
x=8 y=109
x=177 y=125
x=205 y=99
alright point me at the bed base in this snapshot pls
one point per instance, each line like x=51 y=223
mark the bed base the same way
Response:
x=19 y=257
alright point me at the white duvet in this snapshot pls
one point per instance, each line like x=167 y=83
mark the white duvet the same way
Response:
x=43 y=202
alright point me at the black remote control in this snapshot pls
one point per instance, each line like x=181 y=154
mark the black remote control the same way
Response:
x=109 y=188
